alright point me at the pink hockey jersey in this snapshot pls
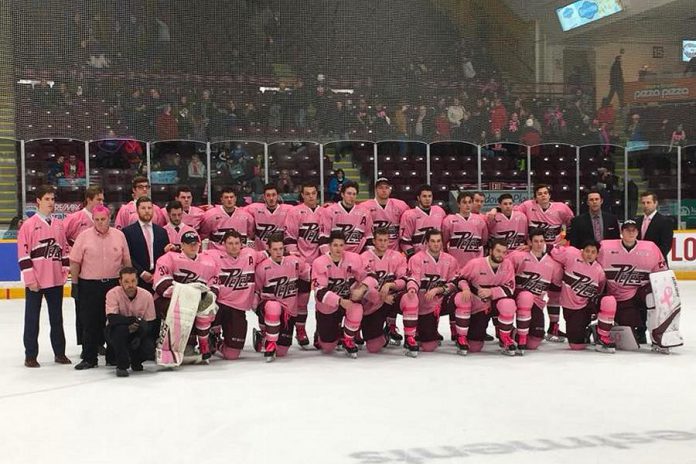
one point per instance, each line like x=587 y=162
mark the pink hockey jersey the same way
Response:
x=464 y=238
x=426 y=273
x=391 y=267
x=333 y=281
x=174 y=234
x=266 y=222
x=512 y=229
x=415 y=223
x=193 y=217
x=387 y=216
x=302 y=232
x=234 y=285
x=356 y=225
x=281 y=281
x=551 y=221
x=535 y=275
x=128 y=214
x=627 y=271
x=478 y=274
x=581 y=281
x=216 y=222
x=177 y=267
x=42 y=252
x=76 y=223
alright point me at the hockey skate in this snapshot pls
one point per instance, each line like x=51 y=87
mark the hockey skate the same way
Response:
x=554 y=334
x=350 y=347
x=269 y=351
x=659 y=349
x=507 y=344
x=393 y=336
x=521 y=344
x=359 y=342
x=462 y=345
x=257 y=340
x=605 y=345
x=411 y=346
x=301 y=337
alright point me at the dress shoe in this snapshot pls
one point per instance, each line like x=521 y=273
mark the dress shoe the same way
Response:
x=31 y=362
x=62 y=359
x=122 y=373
x=85 y=365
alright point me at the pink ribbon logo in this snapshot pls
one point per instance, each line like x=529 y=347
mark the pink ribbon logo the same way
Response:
x=667 y=296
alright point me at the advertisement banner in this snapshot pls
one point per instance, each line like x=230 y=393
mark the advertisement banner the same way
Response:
x=658 y=92
x=683 y=254
x=61 y=211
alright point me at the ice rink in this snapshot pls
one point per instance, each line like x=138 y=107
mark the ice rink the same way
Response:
x=552 y=406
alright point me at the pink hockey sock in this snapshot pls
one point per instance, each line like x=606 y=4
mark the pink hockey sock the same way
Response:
x=272 y=311
x=409 y=308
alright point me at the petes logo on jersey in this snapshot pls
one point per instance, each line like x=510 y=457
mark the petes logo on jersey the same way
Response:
x=281 y=287
x=341 y=287
x=49 y=249
x=309 y=232
x=235 y=279
x=263 y=231
x=184 y=276
x=511 y=237
x=419 y=235
x=430 y=281
x=465 y=241
x=531 y=281
x=550 y=232
x=626 y=274
x=392 y=228
x=581 y=285
x=353 y=235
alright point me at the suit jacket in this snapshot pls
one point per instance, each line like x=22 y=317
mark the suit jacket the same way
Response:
x=660 y=232
x=581 y=228
x=138 y=248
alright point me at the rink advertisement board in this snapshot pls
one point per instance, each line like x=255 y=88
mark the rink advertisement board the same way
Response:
x=683 y=254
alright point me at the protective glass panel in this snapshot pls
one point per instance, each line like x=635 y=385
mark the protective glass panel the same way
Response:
x=349 y=161
x=291 y=163
x=175 y=163
x=240 y=164
x=113 y=163
x=555 y=166
x=405 y=165
x=453 y=167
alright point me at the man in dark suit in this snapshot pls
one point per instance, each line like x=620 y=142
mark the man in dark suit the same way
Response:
x=653 y=226
x=146 y=242
x=595 y=224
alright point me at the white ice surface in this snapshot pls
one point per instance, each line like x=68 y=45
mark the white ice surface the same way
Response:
x=548 y=406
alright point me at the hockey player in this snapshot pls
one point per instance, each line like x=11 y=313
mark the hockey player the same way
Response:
x=386 y=212
x=583 y=284
x=222 y=218
x=551 y=217
x=302 y=240
x=234 y=286
x=336 y=279
x=278 y=279
x=192 y=215
x=419 y=220
x=627 y=264
x=128 y=213
x=478 y=201
x=176 y=227
x=504 y=223
x=186 y=267
x=346 y=217
x=487 y=285
x=430 y=274
x=386 y=278
x=535 y=274
x=269 y=216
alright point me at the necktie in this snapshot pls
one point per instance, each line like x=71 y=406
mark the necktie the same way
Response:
x=596 y=228
x=644 y=228
x=147 y=232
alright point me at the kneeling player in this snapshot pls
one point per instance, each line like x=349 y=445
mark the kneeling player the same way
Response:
x=627 y=264
x=336 y=277
x=430 y=274
x=234 y=287
x=487 y=285
x=535 y=274
x=186 y=267
x=583 y=283
x=386 y=278
x=278 y=279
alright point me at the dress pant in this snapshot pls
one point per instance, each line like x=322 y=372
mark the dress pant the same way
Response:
x=92 y=295
x=32 y=313
x=130 y=349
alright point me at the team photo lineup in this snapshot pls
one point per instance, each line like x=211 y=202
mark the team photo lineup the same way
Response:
x=174 y=283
